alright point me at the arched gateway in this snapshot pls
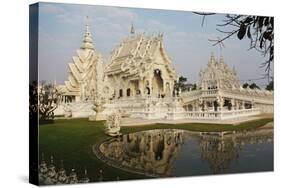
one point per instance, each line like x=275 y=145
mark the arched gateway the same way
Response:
x=157 y=83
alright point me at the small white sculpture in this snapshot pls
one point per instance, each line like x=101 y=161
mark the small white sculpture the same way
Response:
x=113 y=124
x=98 y=107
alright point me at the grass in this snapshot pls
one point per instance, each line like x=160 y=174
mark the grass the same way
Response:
x=72 y=141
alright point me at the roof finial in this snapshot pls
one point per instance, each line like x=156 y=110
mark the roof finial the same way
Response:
x=87 y=24
x=212 y=58
x=221 y=59
x=55 y=82
x=132 y=31
x=87 y=40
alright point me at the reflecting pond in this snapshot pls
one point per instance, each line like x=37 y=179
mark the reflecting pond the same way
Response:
x=171 y=152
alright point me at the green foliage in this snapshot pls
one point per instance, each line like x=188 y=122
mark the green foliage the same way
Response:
x=254 y=86
x=181 y=84
x=194 y=87
x=258 y=29
x=33 y=102
x=48 y=97
x=251 y=86
x=270 y=86
x=245 y=85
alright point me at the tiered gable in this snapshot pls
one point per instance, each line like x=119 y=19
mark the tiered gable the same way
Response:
x=137 y=54
x=82 y=70
x=218 y=75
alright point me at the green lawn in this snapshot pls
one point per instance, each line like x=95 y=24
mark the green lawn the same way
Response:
x=72 y=141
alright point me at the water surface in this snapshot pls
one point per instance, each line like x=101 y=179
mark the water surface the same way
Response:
x=171 y=152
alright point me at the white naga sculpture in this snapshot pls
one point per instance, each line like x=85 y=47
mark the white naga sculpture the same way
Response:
x=112 y=124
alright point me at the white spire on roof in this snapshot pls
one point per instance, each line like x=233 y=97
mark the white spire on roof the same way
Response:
x=87 y=42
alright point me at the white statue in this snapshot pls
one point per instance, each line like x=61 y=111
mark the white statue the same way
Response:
x=98 y=107
x=67 y=111
x=112 y=124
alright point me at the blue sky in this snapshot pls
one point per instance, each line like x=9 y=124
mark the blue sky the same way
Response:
x=61 y=28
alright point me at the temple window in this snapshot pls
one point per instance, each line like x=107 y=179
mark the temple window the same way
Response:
x=189 y=107
x=128 y=92
x=147 y=90
x=120 y=93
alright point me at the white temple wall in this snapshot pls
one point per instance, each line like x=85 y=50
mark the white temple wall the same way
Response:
x=265 y=108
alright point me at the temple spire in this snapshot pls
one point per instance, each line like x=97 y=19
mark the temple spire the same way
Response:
x=87 y=42
x=212 y=58
x=221 y=59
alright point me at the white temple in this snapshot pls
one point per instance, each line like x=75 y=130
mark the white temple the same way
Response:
x=139 y=80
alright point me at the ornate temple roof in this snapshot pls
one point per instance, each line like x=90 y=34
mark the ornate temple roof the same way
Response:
x=136 y=54
x=82 y=66
x=217 y=74
x=87 y=40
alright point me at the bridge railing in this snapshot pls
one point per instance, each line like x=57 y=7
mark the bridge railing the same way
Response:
x=222 y=114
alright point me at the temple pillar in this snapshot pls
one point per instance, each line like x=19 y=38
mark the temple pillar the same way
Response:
x=232 y=104
x=243 y=105
x=141 y=87
x=204 y=106
x=252 y=104
x=164 y=87
x=196 y=106
x=237 y=105
x=221 y=104
x=193 y=106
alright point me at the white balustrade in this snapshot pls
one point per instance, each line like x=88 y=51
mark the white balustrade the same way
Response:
x=222 y=114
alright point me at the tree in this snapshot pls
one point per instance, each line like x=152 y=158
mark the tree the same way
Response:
x=194 y=87
x=33 y=102
x=181 y=84
x=48 y=97
x=258 y=29
x=270 y=86
x=245 y=85
x=251 y=86
x=254 y=86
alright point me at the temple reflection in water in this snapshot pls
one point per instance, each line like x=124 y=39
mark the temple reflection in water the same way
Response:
x=167 y=152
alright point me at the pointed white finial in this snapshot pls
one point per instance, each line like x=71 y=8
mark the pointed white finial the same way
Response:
x=221 y=59
x=87 y=40
x=87 y=24
x=55 y=81
x=212 y=58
